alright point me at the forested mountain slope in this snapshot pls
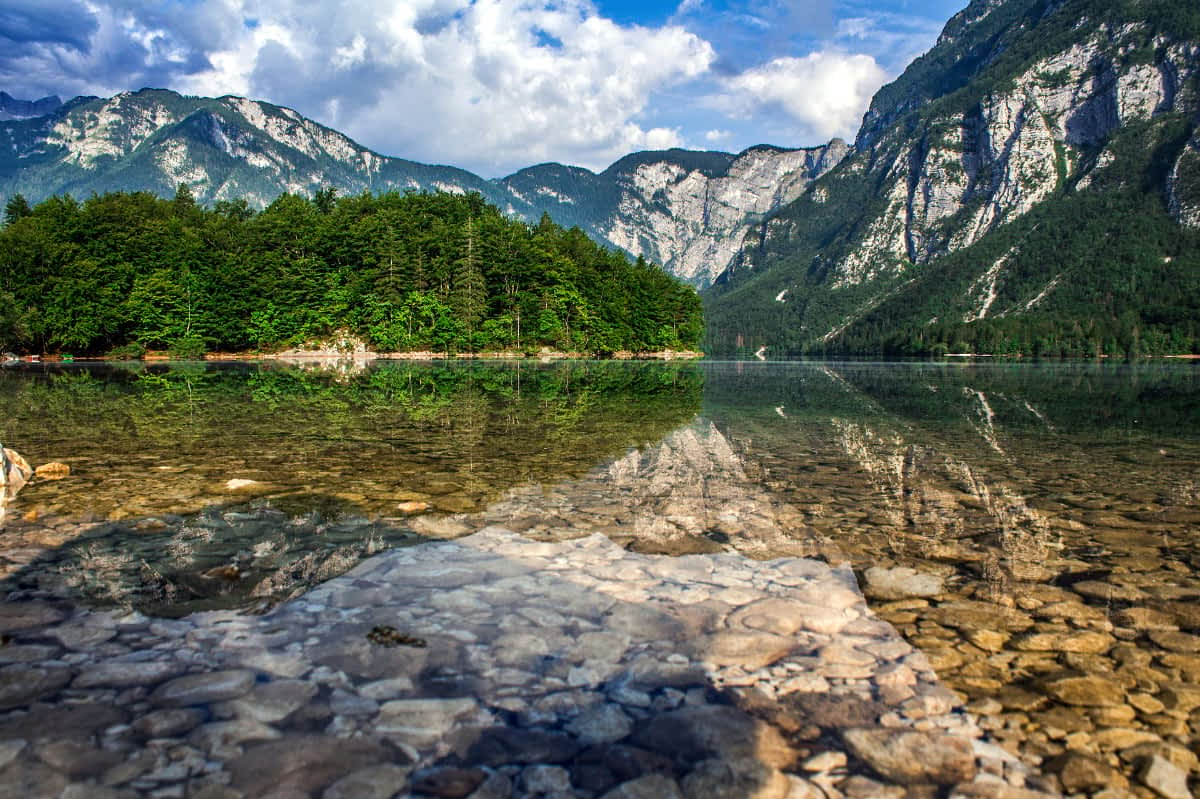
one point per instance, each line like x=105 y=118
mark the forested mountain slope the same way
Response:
x=1032 y=184
x=125 y=272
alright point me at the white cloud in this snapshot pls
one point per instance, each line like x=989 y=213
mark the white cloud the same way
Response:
x=824 y=94
x=717 y=136
x=491 y=85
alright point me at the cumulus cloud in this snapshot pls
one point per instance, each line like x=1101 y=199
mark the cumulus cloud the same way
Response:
x=487 y=84
x=824 y=94
x=490 y=85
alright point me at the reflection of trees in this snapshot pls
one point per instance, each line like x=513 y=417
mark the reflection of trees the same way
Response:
x=333 y=455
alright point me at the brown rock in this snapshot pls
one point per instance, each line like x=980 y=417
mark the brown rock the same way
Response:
x=749 y=650
x=1176 y=641
x=911 y=757
x=1067 y=641
x=1078 y=772
x=1108 y=592
x=995 y=790
x=52 y=471
x=1085 y=691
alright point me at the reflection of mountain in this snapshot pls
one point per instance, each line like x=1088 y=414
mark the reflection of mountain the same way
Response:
x=689 y=493
x=220 y=486
x=935 y=463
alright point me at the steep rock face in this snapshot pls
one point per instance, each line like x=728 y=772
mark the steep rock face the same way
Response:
x=1022 y=106
x=693 y=222
x=1010 y=151
x=1183 y=185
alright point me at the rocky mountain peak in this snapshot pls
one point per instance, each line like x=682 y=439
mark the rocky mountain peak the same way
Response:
x=12 y=108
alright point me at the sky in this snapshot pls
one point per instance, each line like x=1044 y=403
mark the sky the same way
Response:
x=493 y=85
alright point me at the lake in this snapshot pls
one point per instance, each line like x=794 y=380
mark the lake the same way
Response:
x=1029 y=528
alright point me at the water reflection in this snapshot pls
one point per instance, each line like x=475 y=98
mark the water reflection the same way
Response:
x=1032 y=528
x=202 y=485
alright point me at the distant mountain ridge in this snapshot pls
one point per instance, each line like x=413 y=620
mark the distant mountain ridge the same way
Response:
x=686 y=210
x=12 y=108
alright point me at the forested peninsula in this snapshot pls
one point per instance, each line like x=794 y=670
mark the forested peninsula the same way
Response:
x=122 y=273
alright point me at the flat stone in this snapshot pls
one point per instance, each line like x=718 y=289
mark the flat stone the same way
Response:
x=374 y=782
x=200 y=689
x=32 y=780
x=302 y=763
x=543 y=780
x=745 y=778
x=169 y=722
x=382 y=690
x=1176 y=641
x=698 y=733
x=964 y=615
x=1085 y=691
x=901 y=582
x=913 y=757
x=1068 y=641
x=498 y=746
x=1078 y=772
x=652 y=786
x=785 y=617
x=1164 y=778
x=421 y=721
x=448 y=782
x=1108 y=592
x=749 y=650
x=77 y=722
x=601 y=725
x=127 y=674
x=27 y=653
x=221 y=734
x=76 y=759
x=273 y=701
x=995 y=790
x=21 y=684
x=16 y=616
x=83 y=635
x=10 y=749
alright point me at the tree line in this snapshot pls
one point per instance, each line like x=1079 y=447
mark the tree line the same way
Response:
x=123 y=272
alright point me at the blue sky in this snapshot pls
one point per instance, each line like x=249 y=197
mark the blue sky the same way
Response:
x=493 y=85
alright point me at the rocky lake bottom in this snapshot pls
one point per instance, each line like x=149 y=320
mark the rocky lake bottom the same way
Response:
x=816 y=593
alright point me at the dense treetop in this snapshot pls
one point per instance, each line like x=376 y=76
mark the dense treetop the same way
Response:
x=130 y=271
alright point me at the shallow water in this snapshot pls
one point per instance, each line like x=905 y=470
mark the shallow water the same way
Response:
x=1049 y=512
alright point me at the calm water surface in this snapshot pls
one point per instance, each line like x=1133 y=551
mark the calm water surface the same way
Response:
x=1056 y=507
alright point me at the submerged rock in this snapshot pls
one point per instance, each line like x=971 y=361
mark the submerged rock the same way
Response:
x=911 y=757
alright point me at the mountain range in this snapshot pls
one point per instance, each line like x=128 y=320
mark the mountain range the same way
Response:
x=1030 y=184
x=685 y=210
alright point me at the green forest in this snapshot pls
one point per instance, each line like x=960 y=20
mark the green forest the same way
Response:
x=122 y=273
